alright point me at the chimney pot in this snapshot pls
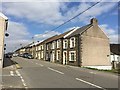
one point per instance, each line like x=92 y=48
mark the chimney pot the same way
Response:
x=94 y=21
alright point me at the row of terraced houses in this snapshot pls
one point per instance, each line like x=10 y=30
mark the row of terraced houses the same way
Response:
x=87 y=46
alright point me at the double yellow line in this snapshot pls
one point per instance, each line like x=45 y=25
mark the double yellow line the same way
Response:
x=18 y=67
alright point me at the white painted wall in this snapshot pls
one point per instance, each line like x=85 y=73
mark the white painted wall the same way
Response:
x=2 y=33
x=115 y=58
x=100 y=67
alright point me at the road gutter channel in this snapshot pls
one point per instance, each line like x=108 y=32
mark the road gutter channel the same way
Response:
x=23 y=81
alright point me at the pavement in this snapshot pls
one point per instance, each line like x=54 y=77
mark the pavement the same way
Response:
x=36 y=74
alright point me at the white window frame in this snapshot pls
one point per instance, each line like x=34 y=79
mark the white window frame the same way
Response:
x=71 y=45
x=70 y=55
x=57 y=54
x=41 y=54
x=41 y=47
x=65 y=42
x=58 y=43
x=36 y=48
x=47 y=46
x=53 y=45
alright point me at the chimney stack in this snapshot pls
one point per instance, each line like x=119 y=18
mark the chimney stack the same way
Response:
x=94 y=21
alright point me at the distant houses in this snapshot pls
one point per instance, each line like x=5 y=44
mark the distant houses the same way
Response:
x=87 y=46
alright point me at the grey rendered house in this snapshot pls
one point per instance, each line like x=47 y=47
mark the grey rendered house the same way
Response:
x=91 y=48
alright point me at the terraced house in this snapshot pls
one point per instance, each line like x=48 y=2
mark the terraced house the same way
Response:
x=87 y=46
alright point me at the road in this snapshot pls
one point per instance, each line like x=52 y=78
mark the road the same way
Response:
x=41 y=74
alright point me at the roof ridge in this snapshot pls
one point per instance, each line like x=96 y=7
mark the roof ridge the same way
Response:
x=71 y=32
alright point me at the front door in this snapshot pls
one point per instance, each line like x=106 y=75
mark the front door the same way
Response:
x=65 y=57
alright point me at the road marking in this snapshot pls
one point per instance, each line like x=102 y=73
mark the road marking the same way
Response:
x=17 y=73
x=8 y=75
x=41 y=65
x=55 y=70
x=11 y=73
x=90 y=83
x=23 y=81
x=92 y=72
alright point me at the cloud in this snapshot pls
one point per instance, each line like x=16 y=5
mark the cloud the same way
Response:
x=18 y=34
x=46 y=35
x=111 y=33
x=41 y=12
x=52 y=12
x=95 y=11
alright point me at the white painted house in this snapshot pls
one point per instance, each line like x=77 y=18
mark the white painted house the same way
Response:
x=3 y=27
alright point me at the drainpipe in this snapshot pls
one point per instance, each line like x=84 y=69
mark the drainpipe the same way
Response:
x=78 y=50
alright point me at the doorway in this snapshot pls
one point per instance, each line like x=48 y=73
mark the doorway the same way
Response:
x=65 y=57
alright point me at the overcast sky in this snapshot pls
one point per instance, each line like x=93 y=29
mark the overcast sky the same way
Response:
x=37 y=19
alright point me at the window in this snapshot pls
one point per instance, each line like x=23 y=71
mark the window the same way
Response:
x=53 y=45
x=58 y=43
x=41 y=47
x=58 y=55
x=36 y=48
x=47 y=47
x=72 y=56
x=65 y=44
x=72 y=42
x=42 y=54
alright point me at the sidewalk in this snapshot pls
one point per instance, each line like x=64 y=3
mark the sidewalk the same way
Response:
x=8 y=65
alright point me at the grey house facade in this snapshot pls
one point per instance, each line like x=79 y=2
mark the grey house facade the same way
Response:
x=87 y=46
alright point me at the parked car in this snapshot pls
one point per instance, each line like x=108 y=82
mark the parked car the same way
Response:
x=27 y=55
x=8 y=56
x=15 y=55
x=20 y=55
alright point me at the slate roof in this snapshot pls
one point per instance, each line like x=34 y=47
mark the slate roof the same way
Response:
x=57 y=36
x=80 y=30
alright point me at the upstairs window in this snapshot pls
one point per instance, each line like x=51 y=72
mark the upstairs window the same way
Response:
x=47 y=47
x=53 y=45
x=41 y=47
x=58 y=43
x=65 y=44
x=72 y=42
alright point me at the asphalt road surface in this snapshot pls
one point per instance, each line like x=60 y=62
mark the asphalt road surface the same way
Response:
x=42 y=74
